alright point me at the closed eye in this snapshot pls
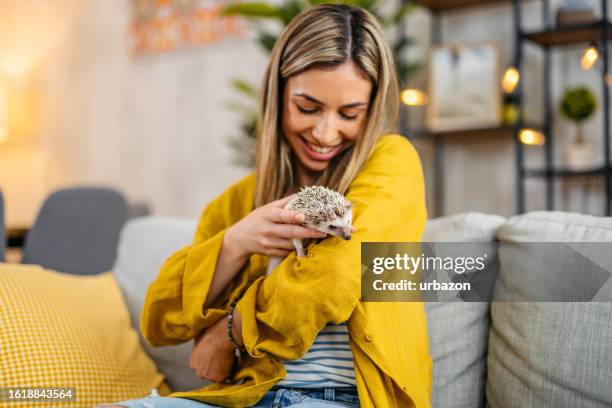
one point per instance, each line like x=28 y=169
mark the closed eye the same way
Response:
x=313 y=111
x=306 y=111
x=332 y=227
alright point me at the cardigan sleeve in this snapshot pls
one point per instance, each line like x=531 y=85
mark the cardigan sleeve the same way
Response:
x=173 y=308
x=283 y=313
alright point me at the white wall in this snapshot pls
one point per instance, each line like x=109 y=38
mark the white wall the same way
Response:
x=153 y=126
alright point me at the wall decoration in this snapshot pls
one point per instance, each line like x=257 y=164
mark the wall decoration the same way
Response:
x=161 y=26
x=574 y=12
x=464 y=88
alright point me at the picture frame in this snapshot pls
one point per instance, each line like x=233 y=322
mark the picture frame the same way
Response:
x=464 y=88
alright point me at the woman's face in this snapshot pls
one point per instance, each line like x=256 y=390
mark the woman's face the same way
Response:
x=324 y=112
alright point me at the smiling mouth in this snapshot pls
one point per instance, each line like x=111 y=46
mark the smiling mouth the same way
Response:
x=320 y=149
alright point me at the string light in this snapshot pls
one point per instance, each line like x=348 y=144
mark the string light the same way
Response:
x=589 y=57
x=413 y=97
x=531 y=137
x=510 y=80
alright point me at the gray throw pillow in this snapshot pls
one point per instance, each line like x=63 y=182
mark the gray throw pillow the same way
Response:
x=551 y=354
x=458 y=331
x=144 y=245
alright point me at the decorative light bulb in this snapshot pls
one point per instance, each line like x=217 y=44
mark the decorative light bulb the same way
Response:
x=531 y=137
x=413 y=97
x=589 y=57
x=510 y=80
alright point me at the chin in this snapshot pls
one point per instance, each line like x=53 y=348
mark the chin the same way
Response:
x=319 y=168
x=312 y=165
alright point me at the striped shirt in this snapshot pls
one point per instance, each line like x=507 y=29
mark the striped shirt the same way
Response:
x=328 y=362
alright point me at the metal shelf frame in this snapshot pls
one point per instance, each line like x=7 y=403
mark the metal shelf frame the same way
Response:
x=547 y=39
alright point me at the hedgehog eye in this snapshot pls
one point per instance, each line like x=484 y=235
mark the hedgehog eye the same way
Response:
x=332 y=227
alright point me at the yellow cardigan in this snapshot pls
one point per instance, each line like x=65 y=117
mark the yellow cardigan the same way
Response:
x=282 y=313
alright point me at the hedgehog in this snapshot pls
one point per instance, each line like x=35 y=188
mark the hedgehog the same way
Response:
x=324 y=210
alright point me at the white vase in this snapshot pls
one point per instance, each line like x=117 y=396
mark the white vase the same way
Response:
x=580 y=156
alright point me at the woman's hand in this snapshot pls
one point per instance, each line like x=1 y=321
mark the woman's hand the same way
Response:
x=268 y=230
x=212 y=356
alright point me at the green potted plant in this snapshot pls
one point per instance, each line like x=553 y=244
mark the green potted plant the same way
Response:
x=579 y=104
x=258 y=13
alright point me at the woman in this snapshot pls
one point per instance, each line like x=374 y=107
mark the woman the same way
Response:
x=329 y=102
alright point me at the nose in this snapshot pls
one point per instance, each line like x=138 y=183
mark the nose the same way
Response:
x=325 y=131
x=346 y=236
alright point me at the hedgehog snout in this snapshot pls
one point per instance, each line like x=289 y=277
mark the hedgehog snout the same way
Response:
x=346 y=234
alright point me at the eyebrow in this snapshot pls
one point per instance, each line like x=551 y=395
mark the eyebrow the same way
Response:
x=310 y=98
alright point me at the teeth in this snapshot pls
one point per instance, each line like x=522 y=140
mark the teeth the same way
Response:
x=319 y=149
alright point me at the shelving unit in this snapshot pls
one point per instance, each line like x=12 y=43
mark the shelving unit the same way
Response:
x=599 y=31
x=440 y=139
x=581 y=33
x=500 y=131
x=564 y=172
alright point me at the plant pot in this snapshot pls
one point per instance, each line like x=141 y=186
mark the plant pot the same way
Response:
x=580 y=156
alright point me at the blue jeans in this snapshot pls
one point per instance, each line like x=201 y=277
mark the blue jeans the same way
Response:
x=277 y=397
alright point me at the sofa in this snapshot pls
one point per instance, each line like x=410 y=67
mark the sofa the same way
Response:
x=500 y=354
x=497 y=354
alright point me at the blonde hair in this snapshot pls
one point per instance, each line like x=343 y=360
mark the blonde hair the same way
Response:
x=324 y=36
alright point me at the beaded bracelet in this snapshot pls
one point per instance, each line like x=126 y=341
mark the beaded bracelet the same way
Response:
x=230 y=318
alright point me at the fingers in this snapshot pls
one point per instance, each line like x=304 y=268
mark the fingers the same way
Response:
x=277 y=243
x=280 y=253
x=286 y=216
x=279 y=247
x=297 y=232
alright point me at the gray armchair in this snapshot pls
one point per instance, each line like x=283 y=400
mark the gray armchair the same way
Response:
x=77 y=231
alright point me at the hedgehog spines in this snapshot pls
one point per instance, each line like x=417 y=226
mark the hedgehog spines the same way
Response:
x=320 y=203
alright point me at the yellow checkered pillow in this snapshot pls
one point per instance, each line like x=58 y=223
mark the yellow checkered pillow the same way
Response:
x=60 y=330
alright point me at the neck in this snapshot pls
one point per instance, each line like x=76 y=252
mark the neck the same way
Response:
x=304 y=178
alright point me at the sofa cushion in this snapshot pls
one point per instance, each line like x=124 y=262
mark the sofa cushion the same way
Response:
x=551 y=353
x=458 y=331
x=145 y=243
x=62 y=330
